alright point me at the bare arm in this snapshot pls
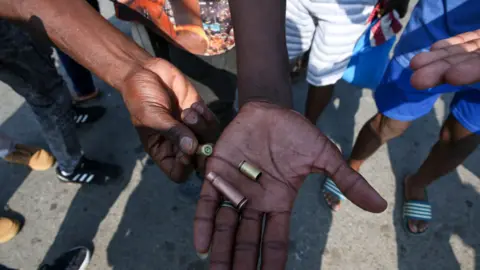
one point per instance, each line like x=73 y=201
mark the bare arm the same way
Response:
x=261 y=51
x=81 y=32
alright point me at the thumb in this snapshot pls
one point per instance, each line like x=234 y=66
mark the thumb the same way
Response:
x=173 y=130
x=179 y=134
x=350 y=182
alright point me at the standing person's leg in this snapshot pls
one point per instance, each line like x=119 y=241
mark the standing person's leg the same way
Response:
x=459 y=137
x=33 y=75
x=52 y=108
x=300 y=30
x=81 y=77
x=339 y=27
x=398 y=104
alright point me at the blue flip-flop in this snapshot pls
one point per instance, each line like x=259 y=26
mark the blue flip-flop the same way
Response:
x=416 y=210
x=329 y=186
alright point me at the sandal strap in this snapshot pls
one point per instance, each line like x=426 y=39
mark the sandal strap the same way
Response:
x=332 y=188
x=417 y=210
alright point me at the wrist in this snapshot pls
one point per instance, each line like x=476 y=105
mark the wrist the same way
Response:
x=131 y=67
x=280 y=94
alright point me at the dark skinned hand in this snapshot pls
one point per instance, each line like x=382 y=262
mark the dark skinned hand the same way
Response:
x=170 y=117
x=455 y=61
x=286 y=147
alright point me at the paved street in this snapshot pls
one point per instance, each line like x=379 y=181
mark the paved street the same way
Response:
x=139 y=223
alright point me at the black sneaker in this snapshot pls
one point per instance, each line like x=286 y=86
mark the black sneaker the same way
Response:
x=75 y=259
x=91 y=172
x=87 y=115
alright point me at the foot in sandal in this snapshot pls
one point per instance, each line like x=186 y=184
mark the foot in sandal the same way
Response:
x=333 y=196
x=416 y=209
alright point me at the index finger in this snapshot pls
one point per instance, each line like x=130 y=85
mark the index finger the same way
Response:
x=350 y=182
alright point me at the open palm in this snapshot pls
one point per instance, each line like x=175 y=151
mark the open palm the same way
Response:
x=286 y=147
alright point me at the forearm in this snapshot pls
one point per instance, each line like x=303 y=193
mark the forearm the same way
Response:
x=81 y=32
x=262 y=58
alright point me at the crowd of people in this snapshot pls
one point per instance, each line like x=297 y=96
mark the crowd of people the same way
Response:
x=182 y=93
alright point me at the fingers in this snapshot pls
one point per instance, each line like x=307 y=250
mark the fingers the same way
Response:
x=454 y=61
x=459 y=39
x=224 y=238
x=466 y=72
x=248 y=238
x=351 y=183
x=204 y=218
x=433 y=74
x=201 y=121
x=203 y=110
x=444 y=53
x=275 y=241
x=460 y=69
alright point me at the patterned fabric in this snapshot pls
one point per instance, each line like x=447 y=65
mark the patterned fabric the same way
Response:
x=417 y=210
x=331 y=187
x=386 y=28
x=330 y=29
x=202 y=27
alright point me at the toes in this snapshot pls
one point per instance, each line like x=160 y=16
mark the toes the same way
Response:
x=422 y=226
x=412 y=225
x=332 y=200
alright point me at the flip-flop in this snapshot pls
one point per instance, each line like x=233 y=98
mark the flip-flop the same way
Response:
x=329 y=186
x=416 y=210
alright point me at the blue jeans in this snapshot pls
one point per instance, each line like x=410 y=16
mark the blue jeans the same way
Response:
x=80 y=76
x=26 y=65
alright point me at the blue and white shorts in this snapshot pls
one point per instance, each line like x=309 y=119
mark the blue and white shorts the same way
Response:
x=430 y=21
x=330 y=28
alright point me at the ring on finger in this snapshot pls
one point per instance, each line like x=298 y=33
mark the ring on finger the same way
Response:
x=228 y=204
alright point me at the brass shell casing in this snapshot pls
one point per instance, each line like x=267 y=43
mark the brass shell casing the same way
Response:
x=227 y=190
x=205 y=149
x=249 y=170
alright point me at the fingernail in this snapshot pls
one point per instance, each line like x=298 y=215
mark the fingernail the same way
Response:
x=186 y=143
x=202 y=256
x=199 y=108
x=192 y=118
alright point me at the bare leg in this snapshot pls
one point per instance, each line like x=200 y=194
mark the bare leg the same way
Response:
x=377 y=131
x=317 y=100
x=455 y=144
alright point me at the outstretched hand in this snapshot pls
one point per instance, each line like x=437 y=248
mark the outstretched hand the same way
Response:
x=286 y=147
x=170 y=117
x=454 y=61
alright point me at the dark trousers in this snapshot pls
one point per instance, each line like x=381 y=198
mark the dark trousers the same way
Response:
x=27 y=66
x=80 y=76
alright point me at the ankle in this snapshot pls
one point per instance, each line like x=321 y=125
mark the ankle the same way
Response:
x=414 y=189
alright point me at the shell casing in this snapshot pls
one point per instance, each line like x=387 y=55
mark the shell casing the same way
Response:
x=249 y=170
x=227 y=190
x=205 y=149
